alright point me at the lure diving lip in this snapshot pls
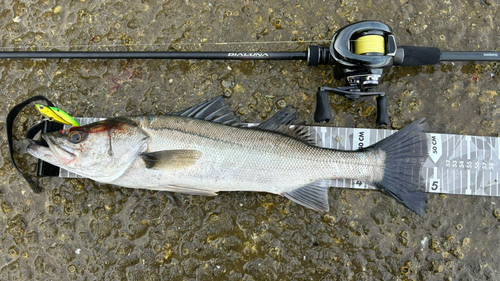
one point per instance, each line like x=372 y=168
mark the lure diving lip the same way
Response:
x=56 y=115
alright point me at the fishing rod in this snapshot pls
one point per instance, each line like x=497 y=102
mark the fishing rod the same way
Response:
x=362 y=51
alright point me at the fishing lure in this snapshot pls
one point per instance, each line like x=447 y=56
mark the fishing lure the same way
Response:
x=56 y=115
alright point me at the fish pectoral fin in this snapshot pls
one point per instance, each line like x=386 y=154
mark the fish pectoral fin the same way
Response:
x=170 y=159
x=188 y=190
x=313 y=196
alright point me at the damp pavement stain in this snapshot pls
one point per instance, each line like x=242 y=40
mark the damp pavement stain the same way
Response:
x=77 y=229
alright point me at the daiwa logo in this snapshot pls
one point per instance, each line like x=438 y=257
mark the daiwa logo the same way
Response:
x=490 y=55
x=248 y=55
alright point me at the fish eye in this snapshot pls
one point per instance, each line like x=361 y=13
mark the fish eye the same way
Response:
x=75 y=136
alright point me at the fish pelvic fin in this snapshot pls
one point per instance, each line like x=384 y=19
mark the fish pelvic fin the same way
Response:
x=170 y=159
x=182 y=189
x=313 y=196
x=405 y=153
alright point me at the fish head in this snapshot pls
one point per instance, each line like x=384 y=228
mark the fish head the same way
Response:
x=101 y=151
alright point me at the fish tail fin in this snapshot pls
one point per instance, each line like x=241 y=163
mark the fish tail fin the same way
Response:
x=405 y=151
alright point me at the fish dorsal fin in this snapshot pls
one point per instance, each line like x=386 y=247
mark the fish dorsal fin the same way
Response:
x=313 y=196
x=304 y=134
x=213 y=110
x=285 y=117
x=170 y=159
x=281 y=122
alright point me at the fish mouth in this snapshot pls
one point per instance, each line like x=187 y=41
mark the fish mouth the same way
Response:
x=58 y=148
x=53 y=153
x=42 y=152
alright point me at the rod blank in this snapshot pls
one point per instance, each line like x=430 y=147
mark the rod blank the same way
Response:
x=470 y=56
x=158 y=55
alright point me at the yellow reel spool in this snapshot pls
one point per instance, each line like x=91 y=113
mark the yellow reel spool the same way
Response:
x=369 y=44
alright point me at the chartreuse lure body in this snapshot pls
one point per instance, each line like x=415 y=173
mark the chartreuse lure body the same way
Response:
x=56 y=115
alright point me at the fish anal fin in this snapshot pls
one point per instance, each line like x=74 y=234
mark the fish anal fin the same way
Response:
x=313 y=196
x=170 y=159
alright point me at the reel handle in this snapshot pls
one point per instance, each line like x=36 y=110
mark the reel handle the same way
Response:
x=322 y=113
x=382 y=117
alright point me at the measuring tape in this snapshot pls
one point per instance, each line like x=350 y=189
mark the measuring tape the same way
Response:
x=457 y=164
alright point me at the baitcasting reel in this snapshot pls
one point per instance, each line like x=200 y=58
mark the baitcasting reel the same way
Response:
x=362 y=51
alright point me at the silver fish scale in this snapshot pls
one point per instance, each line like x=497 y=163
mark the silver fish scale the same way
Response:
x=242 y=159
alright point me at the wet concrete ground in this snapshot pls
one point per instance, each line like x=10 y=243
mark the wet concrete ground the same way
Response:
x=80 y=230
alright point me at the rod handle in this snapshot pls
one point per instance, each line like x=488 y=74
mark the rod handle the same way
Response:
x=382 y=117
x=322 y=113
x=415 y=56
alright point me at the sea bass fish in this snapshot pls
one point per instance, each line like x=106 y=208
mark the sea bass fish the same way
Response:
x=204 y=150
